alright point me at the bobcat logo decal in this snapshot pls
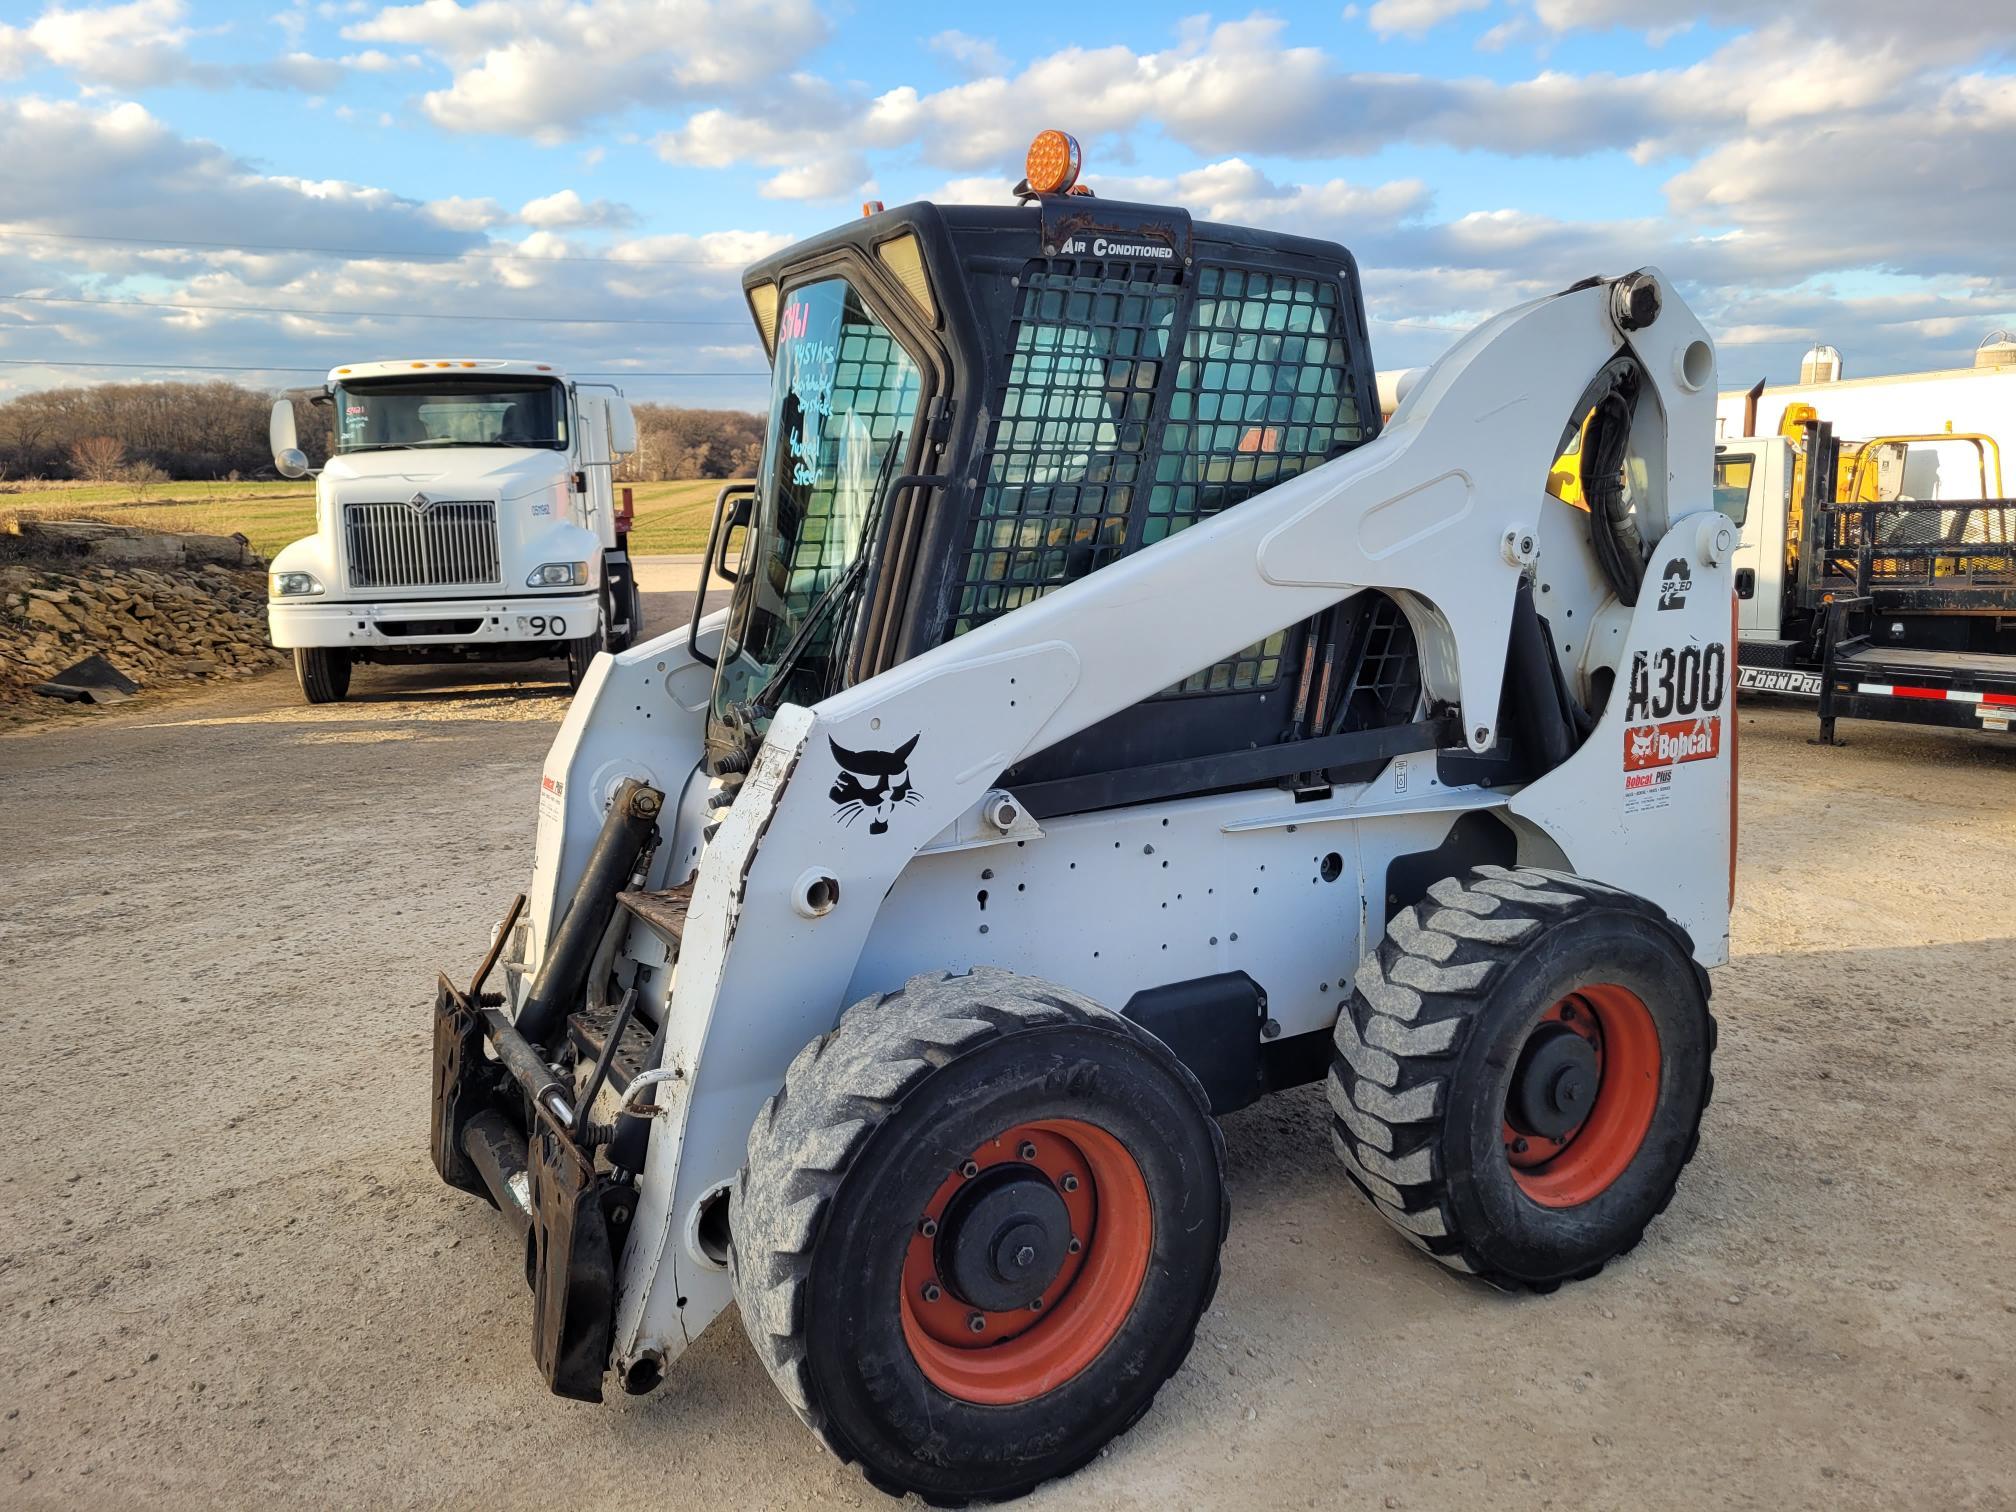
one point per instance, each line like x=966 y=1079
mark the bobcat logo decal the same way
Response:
x=1641 y=744
x=872 y=783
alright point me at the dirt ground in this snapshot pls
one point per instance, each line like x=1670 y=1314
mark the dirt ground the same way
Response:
x=229 y=1277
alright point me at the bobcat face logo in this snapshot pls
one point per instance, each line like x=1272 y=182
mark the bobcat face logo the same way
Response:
x=872 y=783
x=1675 y=583
x=1641 y=744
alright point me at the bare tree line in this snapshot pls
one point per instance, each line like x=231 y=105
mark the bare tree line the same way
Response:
x=149 y=432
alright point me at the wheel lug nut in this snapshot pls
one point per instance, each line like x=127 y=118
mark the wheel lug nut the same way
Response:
x=976 y=1323
x=928 y=1228
x=1037 y=1305
x=1069 y=1183
x=1028 y=1150
x=1519 y=1147
x=931 y=1292
x=1074 y=1246
x=969 y=1170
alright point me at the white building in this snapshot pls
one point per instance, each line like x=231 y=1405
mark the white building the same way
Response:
x=1981 y=398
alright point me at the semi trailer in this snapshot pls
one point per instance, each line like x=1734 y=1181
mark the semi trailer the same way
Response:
x=1876 y=577
x=468 y=512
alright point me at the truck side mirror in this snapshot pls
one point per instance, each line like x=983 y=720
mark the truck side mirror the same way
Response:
x=288 y=457
x=1746 y=582
x=622 y=427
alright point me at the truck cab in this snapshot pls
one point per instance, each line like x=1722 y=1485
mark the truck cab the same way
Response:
x=467 y=513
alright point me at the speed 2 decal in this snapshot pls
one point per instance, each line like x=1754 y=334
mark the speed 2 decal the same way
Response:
x=1674 y=706
x=872 y=783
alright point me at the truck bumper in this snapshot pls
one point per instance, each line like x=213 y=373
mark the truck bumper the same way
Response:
x=533 y=621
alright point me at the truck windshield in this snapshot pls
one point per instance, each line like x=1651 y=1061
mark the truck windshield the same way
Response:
x=437 y=409
x=843 y=402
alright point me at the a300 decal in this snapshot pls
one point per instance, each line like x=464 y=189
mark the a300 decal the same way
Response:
x=1667 y=683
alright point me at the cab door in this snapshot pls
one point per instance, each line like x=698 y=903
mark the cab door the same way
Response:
x=1753 y=483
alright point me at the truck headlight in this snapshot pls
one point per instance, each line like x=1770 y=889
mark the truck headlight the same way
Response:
x=294 y=584
x=558 y=575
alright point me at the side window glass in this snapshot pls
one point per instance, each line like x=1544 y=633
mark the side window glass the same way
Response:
x=1732 y=485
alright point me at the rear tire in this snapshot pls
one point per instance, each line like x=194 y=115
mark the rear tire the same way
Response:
x=924 y=1166
x=322 y=673
x=1521 y=1072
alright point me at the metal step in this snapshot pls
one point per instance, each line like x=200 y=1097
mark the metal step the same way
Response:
x=664 y=913
x=588 y=1030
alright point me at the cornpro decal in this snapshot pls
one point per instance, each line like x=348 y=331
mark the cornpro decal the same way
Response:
x=1675 y=583
x=1777 y=680
x=1669 y=681
x=1669 y=744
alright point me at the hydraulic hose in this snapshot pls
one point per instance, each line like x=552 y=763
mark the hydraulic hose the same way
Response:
x=1613 y=529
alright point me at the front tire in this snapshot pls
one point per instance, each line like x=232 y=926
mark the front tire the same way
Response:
x=323 y=674
x=977 y=1228
x=581 y=656
x=1521 y=1072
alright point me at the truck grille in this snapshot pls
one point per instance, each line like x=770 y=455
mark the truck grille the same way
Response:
x=450 y=544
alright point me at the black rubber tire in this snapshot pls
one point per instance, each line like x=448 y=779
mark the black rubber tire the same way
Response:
x=580 y=657
x=844 y=1156
x=614 y=641
x=322 y=673
x=1426 y=1047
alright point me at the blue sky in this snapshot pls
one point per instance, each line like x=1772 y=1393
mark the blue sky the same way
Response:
x=314 y=181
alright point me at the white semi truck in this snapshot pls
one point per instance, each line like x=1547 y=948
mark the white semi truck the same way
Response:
x=467 y=512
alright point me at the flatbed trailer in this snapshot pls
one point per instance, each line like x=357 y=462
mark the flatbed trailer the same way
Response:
x=1893 y=609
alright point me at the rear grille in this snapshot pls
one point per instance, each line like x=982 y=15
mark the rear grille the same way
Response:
x=450 y=544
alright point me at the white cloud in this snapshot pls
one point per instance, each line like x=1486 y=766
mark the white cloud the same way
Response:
x=459 y=214
x=76 y=167
x=545 y=70
x=1415 y=18
x=979 y=56
x=567 y=209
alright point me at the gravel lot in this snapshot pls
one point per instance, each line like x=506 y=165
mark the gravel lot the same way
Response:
x=229 y=1277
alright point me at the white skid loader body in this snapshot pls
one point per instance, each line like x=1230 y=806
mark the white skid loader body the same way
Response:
x=801 y=905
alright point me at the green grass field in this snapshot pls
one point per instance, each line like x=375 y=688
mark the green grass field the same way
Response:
x=671 y=517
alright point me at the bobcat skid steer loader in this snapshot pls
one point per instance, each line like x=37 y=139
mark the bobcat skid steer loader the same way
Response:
x=1113 y=724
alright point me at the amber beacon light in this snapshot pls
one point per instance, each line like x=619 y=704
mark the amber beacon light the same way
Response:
x=1053 y=163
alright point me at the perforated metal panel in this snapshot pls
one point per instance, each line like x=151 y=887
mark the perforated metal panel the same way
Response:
x=1100 y=445
x=1070 y=436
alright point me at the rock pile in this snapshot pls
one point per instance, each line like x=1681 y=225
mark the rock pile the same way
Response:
x=157 y=626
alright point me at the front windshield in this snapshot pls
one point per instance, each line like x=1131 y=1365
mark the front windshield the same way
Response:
x=843 y=400
x=439 y=409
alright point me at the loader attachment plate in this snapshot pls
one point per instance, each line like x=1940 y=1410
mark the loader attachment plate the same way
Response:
x=578 y=1222
x=460 y=1085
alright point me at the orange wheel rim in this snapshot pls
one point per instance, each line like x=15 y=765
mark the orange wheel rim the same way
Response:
x=1017 y=1355
x=1568 y=1167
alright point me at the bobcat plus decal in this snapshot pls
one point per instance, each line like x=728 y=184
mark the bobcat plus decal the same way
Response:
x=872 y=783
x=1678 y=693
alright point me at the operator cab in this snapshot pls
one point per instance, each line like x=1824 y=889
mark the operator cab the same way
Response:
x=972 y=406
